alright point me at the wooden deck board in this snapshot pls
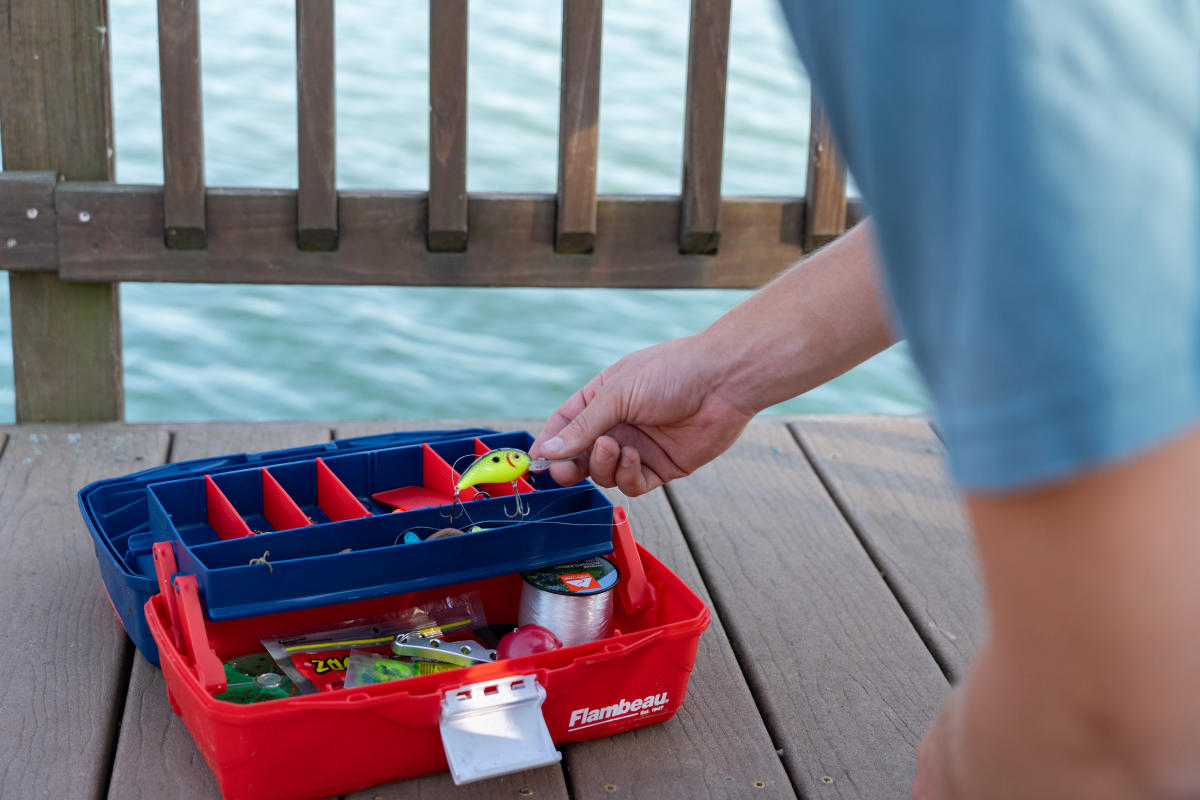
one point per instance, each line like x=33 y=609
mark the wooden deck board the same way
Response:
x=811 y=651
x=67 y=652
x=842 y=680
x=716 y=746
x=887 y=475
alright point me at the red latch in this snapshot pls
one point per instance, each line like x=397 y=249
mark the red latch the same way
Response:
x=164 y=568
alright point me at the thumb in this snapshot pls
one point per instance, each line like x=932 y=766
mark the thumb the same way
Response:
x=594 y=419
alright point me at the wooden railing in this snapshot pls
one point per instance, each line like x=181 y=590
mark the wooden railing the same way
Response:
x=69 y=235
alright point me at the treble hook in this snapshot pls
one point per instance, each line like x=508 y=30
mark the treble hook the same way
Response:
x=522 y=508
x=453 y=504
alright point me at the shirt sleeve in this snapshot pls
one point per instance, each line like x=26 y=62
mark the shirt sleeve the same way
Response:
x=1032 y=169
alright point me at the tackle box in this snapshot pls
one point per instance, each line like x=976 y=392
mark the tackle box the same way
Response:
x=315 y=525
x=204 y=606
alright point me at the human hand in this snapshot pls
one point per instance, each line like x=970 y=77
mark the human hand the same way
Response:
x=655 y=415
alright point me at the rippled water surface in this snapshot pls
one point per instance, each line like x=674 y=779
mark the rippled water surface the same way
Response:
x=201 y=352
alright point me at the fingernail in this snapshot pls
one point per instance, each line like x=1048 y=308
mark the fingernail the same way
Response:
x=553 y=447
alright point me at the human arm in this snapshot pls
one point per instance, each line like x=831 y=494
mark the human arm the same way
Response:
x=662 y=412
x=1086 y=685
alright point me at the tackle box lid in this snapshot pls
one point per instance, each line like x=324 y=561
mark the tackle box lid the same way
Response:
x=117 y=508
x=182 y=502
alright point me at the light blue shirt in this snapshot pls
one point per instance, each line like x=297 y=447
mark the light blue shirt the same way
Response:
x=1033 y=171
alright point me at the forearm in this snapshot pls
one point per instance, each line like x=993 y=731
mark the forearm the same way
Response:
x=1086 y=685
x=814 y=322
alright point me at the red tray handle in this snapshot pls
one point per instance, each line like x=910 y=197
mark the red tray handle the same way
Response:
x=209 y=669
x=635 y=593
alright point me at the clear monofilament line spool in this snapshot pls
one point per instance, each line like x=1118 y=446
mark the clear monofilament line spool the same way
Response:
x=574 y=601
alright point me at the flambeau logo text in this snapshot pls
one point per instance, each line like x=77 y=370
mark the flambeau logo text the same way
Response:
x=586 y=717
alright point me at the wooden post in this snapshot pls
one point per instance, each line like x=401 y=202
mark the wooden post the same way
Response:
x=316 y=200
x=182 y=123
x=56 y=108
x=704 y=127
x=447 y=125
x=578 y=126
x=825 y=195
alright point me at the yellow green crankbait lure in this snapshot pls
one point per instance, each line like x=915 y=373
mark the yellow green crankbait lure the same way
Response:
x=504 y=465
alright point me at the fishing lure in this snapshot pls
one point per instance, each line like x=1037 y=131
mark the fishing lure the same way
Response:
x=504 y=465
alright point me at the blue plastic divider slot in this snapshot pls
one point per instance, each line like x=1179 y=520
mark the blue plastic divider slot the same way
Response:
x=244 y=490
x=178 y=510
x=375 y=471
x=299 y=480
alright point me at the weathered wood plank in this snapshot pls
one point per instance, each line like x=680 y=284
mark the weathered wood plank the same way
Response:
x=825 y=194
x=28 y=232
x=704 y=126
x=888 y=476
x=578 y=126
x=155 y=755
x=844 y=683
x=447 y=125
x=59 y=713
x=66 y=349
x=55 y=97
x=56 y=109
x=182 y=123
x=316 y=206
x=252 y=240
x=717 y=745
x=546 y=782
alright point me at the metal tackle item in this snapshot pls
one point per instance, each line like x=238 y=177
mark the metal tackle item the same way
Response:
x=543 y=464
x=465 y=653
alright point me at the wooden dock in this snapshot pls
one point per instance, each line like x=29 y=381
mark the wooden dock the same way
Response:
x=832 y=551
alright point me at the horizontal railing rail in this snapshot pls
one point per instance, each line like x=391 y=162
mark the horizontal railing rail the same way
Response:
x=111 y=232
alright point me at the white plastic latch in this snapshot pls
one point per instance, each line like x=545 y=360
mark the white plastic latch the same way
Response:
x=496 y=727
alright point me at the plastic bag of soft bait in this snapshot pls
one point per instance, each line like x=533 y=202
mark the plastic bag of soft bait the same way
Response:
x=368 y=667
x=316 y=659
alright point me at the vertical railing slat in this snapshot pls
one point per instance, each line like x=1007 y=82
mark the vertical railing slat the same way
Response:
x=825 y=195
x=182 y=123
x=447 y=125
x=56 y=106
x=316 y=201
x=704 y=127
x=579 y=114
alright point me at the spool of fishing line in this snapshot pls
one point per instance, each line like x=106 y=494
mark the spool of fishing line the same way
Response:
x=574 y=600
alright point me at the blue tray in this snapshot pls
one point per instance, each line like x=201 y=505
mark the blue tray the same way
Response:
x=319 y=558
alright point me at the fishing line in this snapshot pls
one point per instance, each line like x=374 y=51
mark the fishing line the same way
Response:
x=574 y=601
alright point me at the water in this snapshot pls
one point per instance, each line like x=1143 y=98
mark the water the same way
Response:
x=203 y=352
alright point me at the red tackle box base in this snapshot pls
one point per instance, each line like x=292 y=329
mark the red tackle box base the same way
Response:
x=314 y=746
